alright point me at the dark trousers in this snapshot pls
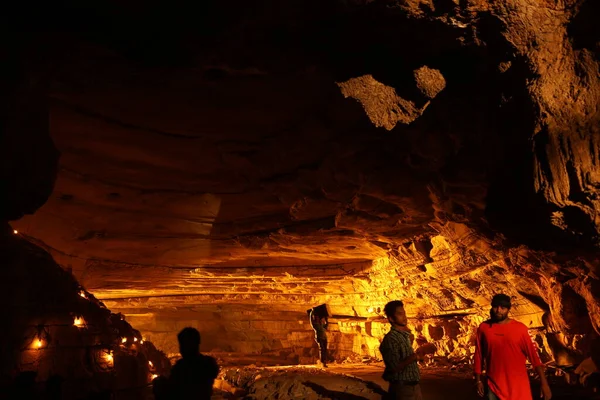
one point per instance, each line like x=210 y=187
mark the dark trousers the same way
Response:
x=492 y=396
x=401 y=391
x=323 y=349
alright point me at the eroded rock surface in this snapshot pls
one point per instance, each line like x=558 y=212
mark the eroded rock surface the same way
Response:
x=219 y=178
x=58 y=330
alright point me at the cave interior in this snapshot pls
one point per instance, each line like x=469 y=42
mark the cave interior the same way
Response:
x=228 y=166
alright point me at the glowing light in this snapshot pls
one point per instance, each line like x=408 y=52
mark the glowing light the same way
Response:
x=135 y=339
x=108 y=357
x=142 y=341
x=39 y=343
x=150 y=363
x=15 y=231
x=78 y=321
x=154 y=376
x=82 y=294
x=370 y=309
x=124 y=340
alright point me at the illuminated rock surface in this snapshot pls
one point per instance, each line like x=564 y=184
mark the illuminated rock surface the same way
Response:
x=233 y=174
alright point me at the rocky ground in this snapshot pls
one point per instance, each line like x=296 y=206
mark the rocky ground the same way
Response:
x=357 y=382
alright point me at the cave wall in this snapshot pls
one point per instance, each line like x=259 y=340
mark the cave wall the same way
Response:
x=56 y=328
x=433 y=151
x=445 y=308
x=56 y=336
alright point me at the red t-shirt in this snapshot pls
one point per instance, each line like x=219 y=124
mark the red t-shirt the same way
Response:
x=501 y=350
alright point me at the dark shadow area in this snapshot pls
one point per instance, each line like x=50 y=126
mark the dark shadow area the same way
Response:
x=332 y=394
x=537 y=300
x=575 y=311
x=584 y=29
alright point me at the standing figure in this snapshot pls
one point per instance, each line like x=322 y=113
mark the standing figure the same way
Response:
x=319 y=324
x=193 y=375
x=502 y=346
x=401 y=369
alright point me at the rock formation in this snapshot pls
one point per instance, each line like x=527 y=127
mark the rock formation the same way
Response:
x=230 y=167
x=62 y=332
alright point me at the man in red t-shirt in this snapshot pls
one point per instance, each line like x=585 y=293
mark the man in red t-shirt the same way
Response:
x=501 y=348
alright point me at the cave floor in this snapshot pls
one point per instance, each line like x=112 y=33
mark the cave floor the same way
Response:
x=443 y=384
x=438 y=383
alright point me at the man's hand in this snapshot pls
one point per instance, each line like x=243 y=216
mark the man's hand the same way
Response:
x=480 y=388
x=422 y=351
x=546 y=393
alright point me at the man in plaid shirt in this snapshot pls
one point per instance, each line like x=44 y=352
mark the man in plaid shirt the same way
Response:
x=401 y=369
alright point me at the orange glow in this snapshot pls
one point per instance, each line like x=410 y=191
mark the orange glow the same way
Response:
x=124 y=340
x=142 y=341
x=82 y=294
x=108 y=357
x=154 y=376
x=150 y=363
x=135 y=339
x=78 y=322
x=38 y=343
x=15 y=231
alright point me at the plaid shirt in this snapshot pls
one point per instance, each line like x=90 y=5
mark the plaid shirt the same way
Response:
x=394 y=348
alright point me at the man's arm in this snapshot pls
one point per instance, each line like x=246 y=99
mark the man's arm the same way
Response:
x=477 y=364
x=542 y=374
x=175 y=374
x=531 y=353
x=214 y=368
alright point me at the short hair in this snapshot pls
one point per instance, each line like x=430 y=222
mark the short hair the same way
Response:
x=390 y=308
x=501 y=300
x=189 y=335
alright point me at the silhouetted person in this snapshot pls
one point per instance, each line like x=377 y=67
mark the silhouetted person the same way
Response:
x=193 y=376
x=319 y=324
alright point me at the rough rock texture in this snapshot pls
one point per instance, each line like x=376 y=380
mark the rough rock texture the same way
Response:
x=381 y=103
x=213 y=174
x=299 y=383
x=56 y=328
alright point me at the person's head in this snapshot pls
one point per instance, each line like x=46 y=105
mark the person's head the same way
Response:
x=394 y=311
x=500 y=307
x=189 y=341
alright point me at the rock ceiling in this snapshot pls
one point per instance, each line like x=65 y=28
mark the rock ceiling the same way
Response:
x=349 y=152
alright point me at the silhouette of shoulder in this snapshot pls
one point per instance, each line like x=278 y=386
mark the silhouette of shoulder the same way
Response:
x=200 y=366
